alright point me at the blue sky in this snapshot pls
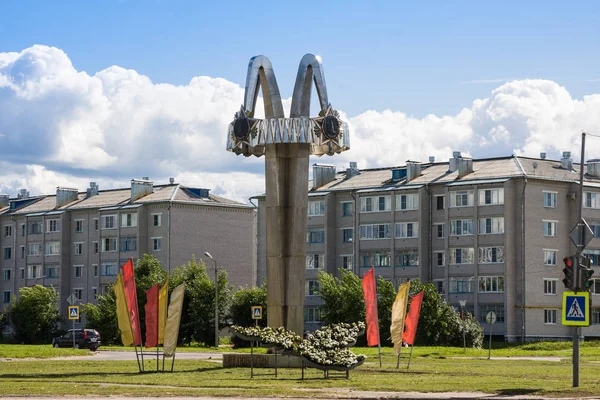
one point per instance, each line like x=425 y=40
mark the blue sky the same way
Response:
x=124 y=89
x=417 y=57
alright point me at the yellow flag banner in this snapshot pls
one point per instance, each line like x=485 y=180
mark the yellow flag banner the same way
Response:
x=399 y=315
x=173 y=321
x=123 y=313
x=162 y=310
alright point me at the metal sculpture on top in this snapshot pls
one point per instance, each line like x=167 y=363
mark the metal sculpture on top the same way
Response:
x=286 y=144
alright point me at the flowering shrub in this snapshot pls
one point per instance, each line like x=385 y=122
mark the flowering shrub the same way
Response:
x=327 y=346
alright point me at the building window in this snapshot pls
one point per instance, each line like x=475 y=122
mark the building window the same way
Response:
x=8 y=230
x=347 y=235
x=108 y=221
x=315 y=235
x=595 y=289
x=78 y=294
x=595 y=226
x=406 y=258
x=439 y=231
x=22 y=252
x=407 y=202
x=440 y=286
x=95 y=268
x=52 y=225
x=462 y=284
x=550 y=199
x=440 y=202
x=596 y=316
x=375 y=259
x=550 y=317
x=316 y=208
x=78 y=248
x=462 y=255
x=375 y=204
x=498 y=309
x=550 y=257
x=23 y=229
x=491 y=226
x=312 y=314
x=53 y=248
x=461 y=227
x=128 y=243
x=157 y=219
x=312 y=288
x=35 y=227
x=78 y=225
x=109 y=244
x=156 y=244
x=439 y=258
x=347 y=261
x=407 y=230
x=347 y=208
x=593 y=255
x=375 y=231
x=34 y=249
x=550 y=228
x=315 y=261
x=108 y=269
x=52 y=271
x=22 y=273
x=128 y=220
x=78 y=270
x=6 y=274
x=7 y=253
x=95 y=246
x=34 y=271
x=95 y=224
x=550 y=286
x=463 y=198
x=488 y=255
x=95 y=292
x=491 y=196
x=491 y=284
x=592 y=200
x=6 y=295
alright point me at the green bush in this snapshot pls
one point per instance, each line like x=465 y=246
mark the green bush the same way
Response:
x=34 y=315
x=240 y=310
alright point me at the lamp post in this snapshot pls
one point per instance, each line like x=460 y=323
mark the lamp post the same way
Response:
x=207 y=254
x=463 y=303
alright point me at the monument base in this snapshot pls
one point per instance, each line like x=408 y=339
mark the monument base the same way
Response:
x=261 y=361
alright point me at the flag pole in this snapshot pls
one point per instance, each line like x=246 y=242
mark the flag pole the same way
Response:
x=410 y=358
x=378 y=333
x=398 y=359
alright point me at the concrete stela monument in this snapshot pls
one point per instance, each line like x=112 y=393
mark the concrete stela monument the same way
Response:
x=286 y=144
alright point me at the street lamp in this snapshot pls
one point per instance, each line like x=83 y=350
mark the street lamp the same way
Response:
x=207 y=254
x=463 y=303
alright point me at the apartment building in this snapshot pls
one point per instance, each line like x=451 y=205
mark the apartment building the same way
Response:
x=492 y=232
x=76 y=241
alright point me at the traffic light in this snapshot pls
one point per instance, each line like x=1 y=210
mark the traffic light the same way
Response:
x=569 y=270
x=585 y=274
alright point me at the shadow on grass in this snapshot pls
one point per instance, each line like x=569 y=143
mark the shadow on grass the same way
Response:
x=515 y=392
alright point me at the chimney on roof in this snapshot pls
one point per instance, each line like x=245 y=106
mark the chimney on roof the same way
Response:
x=566 y=162
x=23 y=194
x=413 y=170
x=145 y=178
x=353 y=170
x=3 y=200
x=140 y=188
x=322 y=175
x=593 y=167
x=431 y=159
x=543 y=155
x=65 y=196
x=465 y=166
x=92 y=190
x=453 y=163
x=171 y=180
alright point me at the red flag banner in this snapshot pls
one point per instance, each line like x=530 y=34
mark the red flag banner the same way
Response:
x=368 y=284
x=412 y=319
x=151 y=308
x=132 y=304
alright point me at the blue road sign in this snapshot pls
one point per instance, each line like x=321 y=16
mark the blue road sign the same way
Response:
x=73 y=312
x=575 y=310
x=256 y=312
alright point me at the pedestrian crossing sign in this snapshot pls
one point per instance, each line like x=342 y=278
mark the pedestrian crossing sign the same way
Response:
x=256 y=312
x=73 y=312
x=575 y=309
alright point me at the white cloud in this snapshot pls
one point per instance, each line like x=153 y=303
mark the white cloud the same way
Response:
x=63 y=127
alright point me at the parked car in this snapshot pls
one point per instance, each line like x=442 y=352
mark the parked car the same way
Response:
x=84 y=339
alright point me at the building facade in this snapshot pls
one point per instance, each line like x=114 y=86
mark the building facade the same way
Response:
x=77 y=241
x=491 y=232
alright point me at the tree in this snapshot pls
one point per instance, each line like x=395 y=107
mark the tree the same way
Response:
x=385 y=299
x=241 y=305
x=102 y=316
x=440 y=324
x=34 y=315
x=198 y=315
x=147 y=272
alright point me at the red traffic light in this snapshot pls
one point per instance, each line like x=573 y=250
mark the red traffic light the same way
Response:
x=568 y=261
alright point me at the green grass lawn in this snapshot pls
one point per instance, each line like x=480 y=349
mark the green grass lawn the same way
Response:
x=433 y=369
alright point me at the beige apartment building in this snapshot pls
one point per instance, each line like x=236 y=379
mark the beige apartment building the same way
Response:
x=77 y=241
x=492 y=232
